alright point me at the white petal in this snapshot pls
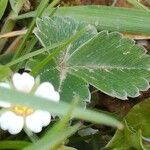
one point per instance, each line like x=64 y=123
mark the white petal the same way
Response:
x=5 y=85
x=5 y=104
x=11 y=122
x=46 y=90
x=37 y=120
x=23 y=82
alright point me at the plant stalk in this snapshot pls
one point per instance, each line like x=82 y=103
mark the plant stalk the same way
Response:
x=10 y=23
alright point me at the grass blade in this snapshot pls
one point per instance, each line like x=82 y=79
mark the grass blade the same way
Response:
x=3 y=5
x=39 y=11
x=124 y=20
x=13 y=144
x=61 y=108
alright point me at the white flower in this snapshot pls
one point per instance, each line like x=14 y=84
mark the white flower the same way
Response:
x=17 y=117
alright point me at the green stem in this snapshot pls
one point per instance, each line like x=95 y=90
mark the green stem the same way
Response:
x=32 y=54
x=20 y=50
x=52 y=4
x=34 y=40
x=32 y=14
x=138 y=5
x=28 y=48
x=33 y=137
x=10 y=23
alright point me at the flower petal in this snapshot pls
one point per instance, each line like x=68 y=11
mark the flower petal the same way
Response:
x=11 y=122
x=5 y=85
x=46 y=90
x=37 y=120
x=5 y=104
x=23 y=82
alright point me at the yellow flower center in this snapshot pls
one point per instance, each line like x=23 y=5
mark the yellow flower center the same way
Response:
x=22 y=110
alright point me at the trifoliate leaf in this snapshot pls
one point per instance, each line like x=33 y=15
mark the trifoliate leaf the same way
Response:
x=111 y=63
x=58 y=30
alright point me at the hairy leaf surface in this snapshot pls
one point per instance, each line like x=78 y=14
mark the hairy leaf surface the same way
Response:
x=111 y=63
x=58 y=30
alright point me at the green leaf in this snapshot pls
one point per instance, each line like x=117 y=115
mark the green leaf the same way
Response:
x=13 y=144
x=5 y=58
x=67 y=148
x=20 y=50
x=5 y=72
x=110 y=18
x=105 y=17
x=138 y=117
x=59 y=109
x=30 y=55
x=138 y=4
x=44 y=145
x=137 y=125
x=126 y=140
x=113 y=64
x=58 y=30
x=70 y=87
x=3 y=5
x=12 y=4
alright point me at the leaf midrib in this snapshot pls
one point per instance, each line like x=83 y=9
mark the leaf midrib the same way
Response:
x=107 y=67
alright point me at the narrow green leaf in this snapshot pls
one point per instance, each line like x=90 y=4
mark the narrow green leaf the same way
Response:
x=3 y=5
x=68 y=148
x=12 y=4
x=13 y=144
x=110 y=18
x=5 y=58
x=5 y=72
x=138 y=5
x=60 y=108
x=20 y=50
x=42 y=145
x=106 y=18
x=33 y=54
x=10 y=23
